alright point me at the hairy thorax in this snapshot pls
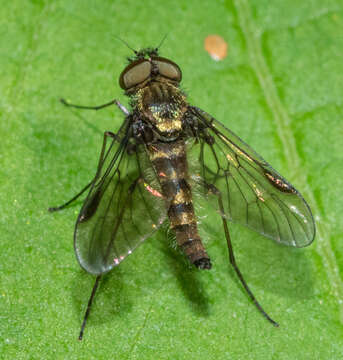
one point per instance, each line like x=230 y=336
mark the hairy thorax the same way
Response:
x=163 y=105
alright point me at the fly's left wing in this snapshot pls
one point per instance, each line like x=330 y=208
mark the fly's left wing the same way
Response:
x=124 y=206
x=253 y=193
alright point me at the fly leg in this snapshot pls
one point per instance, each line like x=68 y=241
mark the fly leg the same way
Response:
x=61 y=207
x=99 y=107
x=213 y=190
x=107 y=134
x=89 y=305
x=109 y=246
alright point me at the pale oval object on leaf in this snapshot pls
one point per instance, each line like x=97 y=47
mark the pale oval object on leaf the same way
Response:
x=216 y=46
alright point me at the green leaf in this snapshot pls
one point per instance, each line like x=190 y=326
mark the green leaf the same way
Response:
x=280 y=88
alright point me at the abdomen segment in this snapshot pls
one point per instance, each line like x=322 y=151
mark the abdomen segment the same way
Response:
x=170 y=163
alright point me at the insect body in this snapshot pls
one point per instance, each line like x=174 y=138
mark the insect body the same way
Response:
x=145 y=177
x=164 y=106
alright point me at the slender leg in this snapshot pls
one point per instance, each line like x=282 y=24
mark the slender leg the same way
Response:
x=99 y=107
x=61 y=207
x=116 y=226
x=212 y=189
x=89 y=305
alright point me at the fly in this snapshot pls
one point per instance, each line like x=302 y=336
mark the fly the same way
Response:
x=144 y=178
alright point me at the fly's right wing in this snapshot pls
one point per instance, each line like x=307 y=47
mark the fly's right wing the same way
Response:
x=123 y=208
x=252 y=192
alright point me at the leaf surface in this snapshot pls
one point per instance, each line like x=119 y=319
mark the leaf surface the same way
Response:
x=280 y=89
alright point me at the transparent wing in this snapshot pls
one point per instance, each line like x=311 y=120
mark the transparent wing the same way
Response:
x=253 y=193
x=124 y=206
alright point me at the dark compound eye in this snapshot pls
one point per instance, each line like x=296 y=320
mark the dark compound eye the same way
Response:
x=168 y=68
x=138 y=71
x=135 y=73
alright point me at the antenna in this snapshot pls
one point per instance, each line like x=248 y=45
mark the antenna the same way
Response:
x=162 y=41
x=125 y=43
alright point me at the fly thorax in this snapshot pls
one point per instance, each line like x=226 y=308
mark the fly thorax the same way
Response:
x=163 y=106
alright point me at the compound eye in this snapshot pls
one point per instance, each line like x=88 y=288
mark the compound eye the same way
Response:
x=135 y=73
x=168 y=69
